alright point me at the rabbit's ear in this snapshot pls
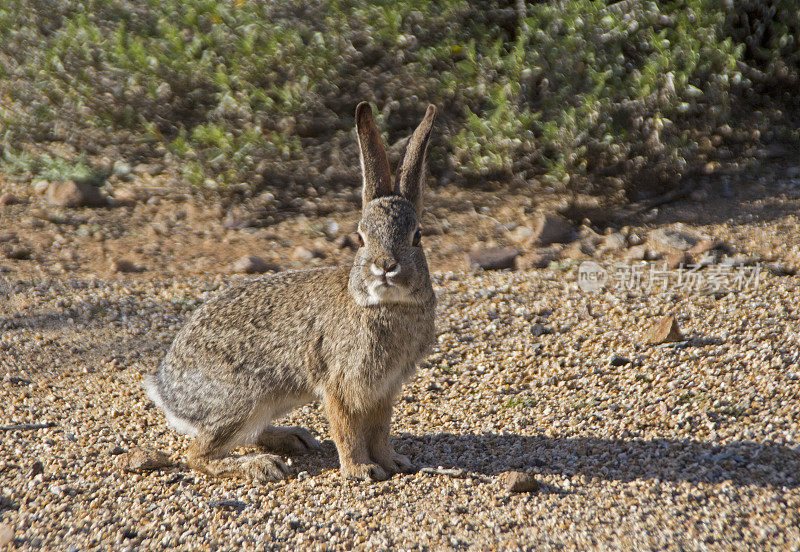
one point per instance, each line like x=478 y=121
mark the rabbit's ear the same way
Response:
x=374 y=163
x=412 y=170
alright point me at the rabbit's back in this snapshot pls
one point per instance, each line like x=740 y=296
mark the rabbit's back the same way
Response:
x=259 y=328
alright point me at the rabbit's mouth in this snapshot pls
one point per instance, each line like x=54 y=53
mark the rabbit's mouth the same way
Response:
x=386 y=290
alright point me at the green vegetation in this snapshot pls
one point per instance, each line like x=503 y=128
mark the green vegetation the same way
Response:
x=577 y=95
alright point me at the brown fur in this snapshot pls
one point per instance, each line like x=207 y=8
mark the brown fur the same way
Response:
x=349 y=337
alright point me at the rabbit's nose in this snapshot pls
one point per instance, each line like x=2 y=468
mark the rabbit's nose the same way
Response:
x=385 y=267
x=390 y=268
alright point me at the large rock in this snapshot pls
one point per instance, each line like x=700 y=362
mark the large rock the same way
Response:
x=8 y=198
x=6 y=534
x=253 y=264
x=540 y=258
x=552 y=228
x=143 y=460
x=613 y=242
x=674 y=261
x=75 y=194
x=674 y=238
x=125 y=265
x=518 y=482
x=637 y=253
x=347 y=241
x=665 y=330
x=707 y=245
x=301 y=253
x=17 y=252
x=492 y=258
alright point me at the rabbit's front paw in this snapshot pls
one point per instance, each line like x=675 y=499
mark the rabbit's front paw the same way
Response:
x=264 y=467
x=394 y=462
x=365 y=472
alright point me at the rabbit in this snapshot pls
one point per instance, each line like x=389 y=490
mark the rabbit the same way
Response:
x=346 y=336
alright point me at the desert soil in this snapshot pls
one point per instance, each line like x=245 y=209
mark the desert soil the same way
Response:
x=693 y=445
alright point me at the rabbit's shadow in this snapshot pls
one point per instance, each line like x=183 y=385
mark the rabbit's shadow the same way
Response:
x=740 y=463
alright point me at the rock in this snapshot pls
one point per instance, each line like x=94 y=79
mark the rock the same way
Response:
x=589 y=237
x=6 y=534
x=75 y=194
x=149 y=169
x=126 y=196
x=780 y=269
x=536 y=259
x=552 y=228
x=40 y=187
x=741 y=260
x=665 y=330
x=331 y=229
x=125 y=265
x=521 y=233
x=635 y=239
x=539 y=330
x=613 y=242
x=675 y=238
x=579 y=250
x=228 y=504
x=617 y=360
x=704 y=246
x=638 y=253
x=300 y=253
x=232 y=221
x=115 y=450
x=121 y=169
x=142 y=460
x=37 y=468
x=518 y=482
x=17 y=252
x=9 y=199
x=347 y=241
x=492 y=258
x=674 y=261
x=585 y=207
x=253 y=264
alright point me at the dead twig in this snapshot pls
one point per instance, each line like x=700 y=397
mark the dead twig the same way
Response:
x=26 y=427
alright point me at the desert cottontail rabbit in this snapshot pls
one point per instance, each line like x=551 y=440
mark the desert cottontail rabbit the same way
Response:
x=348 y=336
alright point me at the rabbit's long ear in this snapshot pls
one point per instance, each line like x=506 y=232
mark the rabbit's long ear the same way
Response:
x=374 y=163
x=411 y=174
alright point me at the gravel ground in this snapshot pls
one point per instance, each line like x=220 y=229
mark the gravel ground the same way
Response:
x=686 y=446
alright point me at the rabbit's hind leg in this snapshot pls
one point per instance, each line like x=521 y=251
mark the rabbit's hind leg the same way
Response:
x=209 y=454
x=287 y=440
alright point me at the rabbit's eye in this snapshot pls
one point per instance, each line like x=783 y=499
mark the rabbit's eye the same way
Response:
x=360 y=239
x=417 y=238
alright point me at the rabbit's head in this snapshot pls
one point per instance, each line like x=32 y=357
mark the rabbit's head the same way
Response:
x=390 y=265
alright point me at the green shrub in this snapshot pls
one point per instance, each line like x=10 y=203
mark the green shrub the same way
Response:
x=577 y=95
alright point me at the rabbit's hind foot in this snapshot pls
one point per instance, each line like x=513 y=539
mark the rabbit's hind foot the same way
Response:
x=208 y=455
x=287 y=440
x=259 y=467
